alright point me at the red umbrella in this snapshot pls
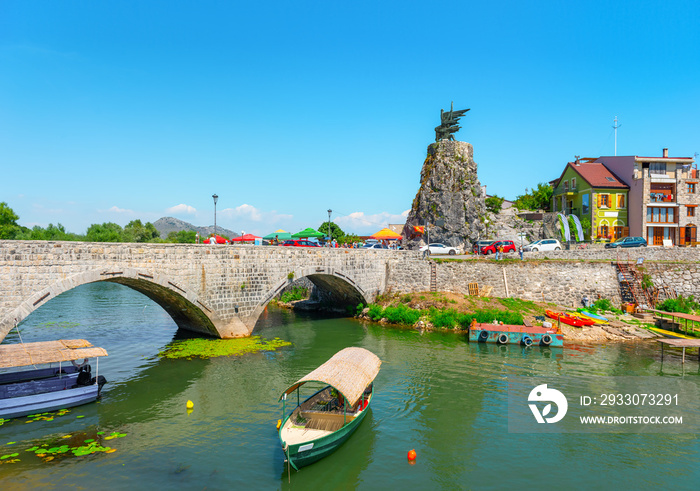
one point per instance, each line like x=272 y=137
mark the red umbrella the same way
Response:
x=245 y=238
x=220 y=240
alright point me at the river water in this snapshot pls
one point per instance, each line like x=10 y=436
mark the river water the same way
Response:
x=435 y=393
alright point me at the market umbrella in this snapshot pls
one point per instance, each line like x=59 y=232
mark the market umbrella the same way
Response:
x=280 y=234
x=245 y=238
x=307 y=232
x=385 y=234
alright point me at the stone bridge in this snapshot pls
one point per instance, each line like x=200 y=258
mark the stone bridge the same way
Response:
x=213 y=289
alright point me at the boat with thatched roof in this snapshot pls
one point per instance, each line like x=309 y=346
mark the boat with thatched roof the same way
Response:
x=320 y=424
x=34 y=384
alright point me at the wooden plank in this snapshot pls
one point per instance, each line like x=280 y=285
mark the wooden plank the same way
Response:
x=473 y=289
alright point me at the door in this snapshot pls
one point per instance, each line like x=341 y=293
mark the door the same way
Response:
x=658 y=236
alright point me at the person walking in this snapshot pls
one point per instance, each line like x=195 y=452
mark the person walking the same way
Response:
x=521 y=252
x=500 y=252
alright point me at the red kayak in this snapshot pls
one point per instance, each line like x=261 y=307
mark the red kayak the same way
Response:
x=567 y=319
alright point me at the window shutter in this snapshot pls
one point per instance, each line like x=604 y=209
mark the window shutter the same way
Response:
x=598 y=197
x=682 y=230
x=625 y=231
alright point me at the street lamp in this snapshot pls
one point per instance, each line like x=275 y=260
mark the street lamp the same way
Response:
x=216 y=198
x=329 y=226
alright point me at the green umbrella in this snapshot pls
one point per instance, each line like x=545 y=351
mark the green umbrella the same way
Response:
x=280 y=234
x=307 y=232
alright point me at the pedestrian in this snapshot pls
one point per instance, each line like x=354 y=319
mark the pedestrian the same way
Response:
x=196 y=238
x=500 y=253
x=521 y=252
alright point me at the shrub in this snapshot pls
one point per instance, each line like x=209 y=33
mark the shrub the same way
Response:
x=401 y=314
x=375 y=312
x=296 y=293
x=443 y=318
x=406 y=298
x=680 y=304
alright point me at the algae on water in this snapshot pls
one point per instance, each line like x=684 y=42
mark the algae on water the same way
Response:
x=209 y=348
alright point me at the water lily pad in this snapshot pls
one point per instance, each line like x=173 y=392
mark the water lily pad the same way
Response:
x=10 y=443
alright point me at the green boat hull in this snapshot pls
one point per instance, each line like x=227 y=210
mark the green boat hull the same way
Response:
x=309 y=452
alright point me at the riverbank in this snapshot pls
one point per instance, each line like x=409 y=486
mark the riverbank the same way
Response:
x=622 y=327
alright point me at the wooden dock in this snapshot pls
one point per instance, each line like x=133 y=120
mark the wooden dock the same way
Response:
x=679 y=343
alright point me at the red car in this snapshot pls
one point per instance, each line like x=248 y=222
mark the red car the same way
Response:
x=300 y=243
x=508 y=246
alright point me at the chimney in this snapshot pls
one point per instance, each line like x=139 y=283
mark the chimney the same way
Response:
x=665 y=153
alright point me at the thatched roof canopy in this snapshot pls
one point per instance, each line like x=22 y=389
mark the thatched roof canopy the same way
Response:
x=25 y=354
x=349 y=371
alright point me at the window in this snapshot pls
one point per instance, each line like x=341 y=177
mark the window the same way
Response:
x=585 y=204
x=603 y=201
x=620 y=200
x=660 y=215
x=608 y=178
x=573 y=183
x=603 y=231
x=657 y=168
x=566 y=185
x=691 y=211
x=691 y=187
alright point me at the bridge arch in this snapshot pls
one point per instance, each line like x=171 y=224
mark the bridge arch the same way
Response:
x=184 y=307
x=341 y=288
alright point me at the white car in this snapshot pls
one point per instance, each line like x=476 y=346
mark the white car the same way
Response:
x=543 y=245
x=436 y=248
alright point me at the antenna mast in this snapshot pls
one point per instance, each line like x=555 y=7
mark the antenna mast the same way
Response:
x=615 y=127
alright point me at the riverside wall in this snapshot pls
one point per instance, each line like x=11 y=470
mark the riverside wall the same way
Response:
x=561 y=277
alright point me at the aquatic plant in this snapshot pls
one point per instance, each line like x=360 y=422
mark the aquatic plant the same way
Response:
x=210 y=348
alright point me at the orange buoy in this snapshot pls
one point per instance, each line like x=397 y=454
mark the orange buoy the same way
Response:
x=411 y=455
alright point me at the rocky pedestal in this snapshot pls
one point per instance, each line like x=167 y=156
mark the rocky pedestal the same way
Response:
x=450 y=197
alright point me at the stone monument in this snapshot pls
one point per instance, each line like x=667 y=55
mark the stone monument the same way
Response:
x=450 y=200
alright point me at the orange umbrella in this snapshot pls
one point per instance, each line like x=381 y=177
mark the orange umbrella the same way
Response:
x=385 y=234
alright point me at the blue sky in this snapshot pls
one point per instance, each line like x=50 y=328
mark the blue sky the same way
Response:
x=112 y=111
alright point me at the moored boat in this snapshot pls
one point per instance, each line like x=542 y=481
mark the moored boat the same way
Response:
x=670 y=334
x=567 y=319
x=588 y=320
x=512 y=334
x=317 y=426
x=28 y=389
x=593 y=315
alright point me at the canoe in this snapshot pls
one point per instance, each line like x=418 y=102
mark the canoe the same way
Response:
x=583 y=316
x=567 y=319
x=29 y=389
x=670 y=334
x=593 y=316
x=316 y=427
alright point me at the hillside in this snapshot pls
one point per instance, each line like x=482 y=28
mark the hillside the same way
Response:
x=166 y=225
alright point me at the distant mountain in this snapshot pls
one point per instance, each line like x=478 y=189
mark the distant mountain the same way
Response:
x=166 y=225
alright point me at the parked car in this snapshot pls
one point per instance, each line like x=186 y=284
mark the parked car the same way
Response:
x=436 y=248
x=627 y=242
x=476 y=246
x=508 y=246
x=543 y=245
x=374 y=246
x=300 y=243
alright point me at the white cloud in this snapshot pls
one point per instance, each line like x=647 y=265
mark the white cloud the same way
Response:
x=359 y=223
x=116 y=209
x=181 y=208
x=249 y=212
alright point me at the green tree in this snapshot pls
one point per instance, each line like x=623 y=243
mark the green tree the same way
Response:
x=106 y=232
x=494 y=204
x=536 y=199
x=135 y=231
x=336 y=232
x=182 y=237
x=8 y=222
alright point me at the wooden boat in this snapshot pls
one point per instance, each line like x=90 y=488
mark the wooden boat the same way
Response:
x=512 y=334
x=324 y=421
x=670 y=334
x=567 y=319
x=27 y=389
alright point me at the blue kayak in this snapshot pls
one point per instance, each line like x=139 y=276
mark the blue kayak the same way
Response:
x=592 y=315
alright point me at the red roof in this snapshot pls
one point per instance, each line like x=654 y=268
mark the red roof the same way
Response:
x=597 y=175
